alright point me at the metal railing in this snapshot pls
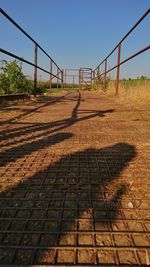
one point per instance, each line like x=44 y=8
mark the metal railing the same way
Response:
x=119 y=62
x=58 y=75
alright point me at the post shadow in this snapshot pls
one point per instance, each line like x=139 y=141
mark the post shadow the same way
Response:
x=64 y=198
x=45 y=134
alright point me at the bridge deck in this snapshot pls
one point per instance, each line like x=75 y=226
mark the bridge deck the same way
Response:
x=74 y=182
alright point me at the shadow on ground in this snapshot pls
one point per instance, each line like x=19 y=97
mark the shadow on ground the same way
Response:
x=50 y=216
x=62 y=206
x=37 y=136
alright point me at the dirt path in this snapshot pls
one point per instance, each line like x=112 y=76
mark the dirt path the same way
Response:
x=74 y=182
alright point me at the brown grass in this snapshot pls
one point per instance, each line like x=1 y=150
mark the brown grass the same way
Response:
x=135 y=93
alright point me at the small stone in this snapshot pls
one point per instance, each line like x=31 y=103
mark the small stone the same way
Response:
x=115 y=227
x=130 y=205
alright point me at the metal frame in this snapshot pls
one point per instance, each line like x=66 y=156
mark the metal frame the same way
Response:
x=62 y=74
x=85 y=77
x=35 y=64
x=119 y=62
x=73 y=75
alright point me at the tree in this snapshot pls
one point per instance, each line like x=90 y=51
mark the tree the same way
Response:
x=143 y=77
x=12 y=79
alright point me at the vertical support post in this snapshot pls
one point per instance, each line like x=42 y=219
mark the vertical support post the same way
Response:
x=93 y=74
x=65 y=78
x=50 y=78
x=62 y=77
x=91 y=77
x=35 y=69
x=105 y=76
x=79 y=79
x=98 y=77
x=73 y=82
x=57 y=77
x=118 y=70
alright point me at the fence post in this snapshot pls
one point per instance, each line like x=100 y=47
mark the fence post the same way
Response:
x=73 y=82
x=118 y=69
x=57 y=77
x=62 y=77
x=93 y=74
x=79 y=80
x=105 y=76
x=65 y=81
x=35 y=69
x=98 y=77
x=91 y=77
x=50 y=78
x=93 y=80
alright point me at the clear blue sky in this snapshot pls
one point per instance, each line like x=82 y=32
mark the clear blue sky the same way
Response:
x=78 y=32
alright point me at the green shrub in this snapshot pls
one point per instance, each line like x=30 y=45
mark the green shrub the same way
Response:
x=12 y=79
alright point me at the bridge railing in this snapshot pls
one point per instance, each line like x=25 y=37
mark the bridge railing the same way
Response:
x=59 y=73
x=97 y=71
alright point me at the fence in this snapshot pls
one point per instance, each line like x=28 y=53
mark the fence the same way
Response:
x=71 y=78
x=61 y=75
x=58 y=75
x=119 y=62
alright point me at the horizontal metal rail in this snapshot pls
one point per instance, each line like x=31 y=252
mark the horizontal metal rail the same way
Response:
x=126 y=35
x=127 y=59
x=59 y=71
x=26 y=61
x=97 y=73
x=29 y=37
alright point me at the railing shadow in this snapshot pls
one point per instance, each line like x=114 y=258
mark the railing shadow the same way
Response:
x=37 y=136
x=52 y=208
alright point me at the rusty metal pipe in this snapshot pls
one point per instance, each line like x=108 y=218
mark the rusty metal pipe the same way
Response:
x=118 y=69
x=51 y=70
x=129 y=58
x=35 y=69
x=26 y=34
x=25 y=61
x=126 y=35
x=105 y=77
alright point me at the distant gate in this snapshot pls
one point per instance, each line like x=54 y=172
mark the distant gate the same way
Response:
x=78 y=78
x=85 y=78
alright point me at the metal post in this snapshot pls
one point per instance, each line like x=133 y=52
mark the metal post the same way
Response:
x=62 y=76
x=35 y=69
x=73 y=82
x=98 y=77
x=93 y=74
x=79 y=79
x=91 y=77
x=51 y=70
x=105 y=76
x=57 y=77
x=118 y=69
x=65 y=78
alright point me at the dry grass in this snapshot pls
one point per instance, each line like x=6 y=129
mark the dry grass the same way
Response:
x=132 y=93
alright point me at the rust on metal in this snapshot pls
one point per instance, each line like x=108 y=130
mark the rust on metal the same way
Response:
x=98 y=76
x=118 y=46
x=57 y=78
x=35 y=52
x=35 y=68
x=126 y=35
x=118 y=69
x=50 y=78
x=105 y=75
x=62 y=74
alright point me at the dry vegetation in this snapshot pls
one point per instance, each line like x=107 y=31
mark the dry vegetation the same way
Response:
x=132 y=93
